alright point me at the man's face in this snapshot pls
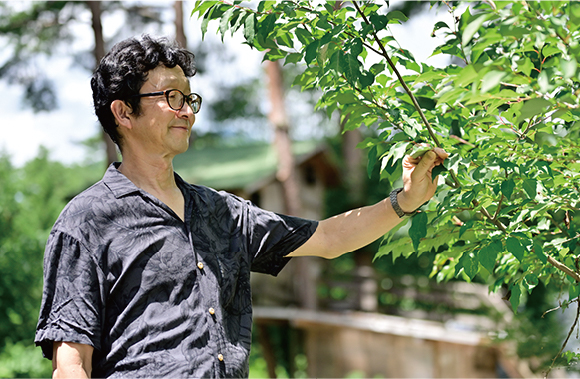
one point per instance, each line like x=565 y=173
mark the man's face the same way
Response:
x=160 y=129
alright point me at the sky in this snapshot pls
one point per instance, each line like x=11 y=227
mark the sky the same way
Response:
x=22 y=131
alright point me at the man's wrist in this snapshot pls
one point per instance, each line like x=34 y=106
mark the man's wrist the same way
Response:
x=404 y=202
x=400 y=204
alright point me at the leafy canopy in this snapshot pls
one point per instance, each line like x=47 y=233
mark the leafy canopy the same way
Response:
x=507 y=113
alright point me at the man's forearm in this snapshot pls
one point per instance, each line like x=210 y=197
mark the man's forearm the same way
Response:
x=350 y=231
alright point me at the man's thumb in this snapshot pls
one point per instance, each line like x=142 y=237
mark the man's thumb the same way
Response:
x=426 y=163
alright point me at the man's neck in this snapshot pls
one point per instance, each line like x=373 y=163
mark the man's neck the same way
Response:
x=152 y=174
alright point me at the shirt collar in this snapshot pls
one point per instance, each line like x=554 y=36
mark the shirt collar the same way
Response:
x=121 y=186
x=118 y=183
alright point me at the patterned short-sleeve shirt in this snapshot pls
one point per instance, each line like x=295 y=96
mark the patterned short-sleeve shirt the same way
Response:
x=154 y=295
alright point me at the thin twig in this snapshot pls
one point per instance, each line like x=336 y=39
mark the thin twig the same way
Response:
x=565 y=342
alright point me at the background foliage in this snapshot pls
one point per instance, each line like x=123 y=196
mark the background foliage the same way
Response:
x=31 y=198
x=507 y=112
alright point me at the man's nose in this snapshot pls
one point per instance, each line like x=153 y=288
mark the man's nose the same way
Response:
x=186 y=112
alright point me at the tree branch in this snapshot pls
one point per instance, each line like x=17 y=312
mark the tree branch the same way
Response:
x=402 y=81
x=562 y=267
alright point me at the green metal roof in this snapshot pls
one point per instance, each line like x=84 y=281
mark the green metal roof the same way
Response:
x=234 y=167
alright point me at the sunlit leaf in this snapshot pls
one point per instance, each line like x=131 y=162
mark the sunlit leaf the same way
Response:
x=472 y=28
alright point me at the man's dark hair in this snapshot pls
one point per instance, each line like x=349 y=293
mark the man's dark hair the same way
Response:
x=123 y=71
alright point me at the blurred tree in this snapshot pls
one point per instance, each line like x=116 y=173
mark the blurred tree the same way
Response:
x=179 y=30
x=37 y=29
x=31 y=199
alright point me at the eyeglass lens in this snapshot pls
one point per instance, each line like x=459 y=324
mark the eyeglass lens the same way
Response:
x=177 y=99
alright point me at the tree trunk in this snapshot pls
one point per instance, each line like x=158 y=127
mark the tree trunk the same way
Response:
x=179 y=30
x=286 y=166
x=305 y=267
x=99 y=53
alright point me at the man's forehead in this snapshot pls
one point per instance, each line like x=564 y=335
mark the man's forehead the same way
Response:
x=162 y=76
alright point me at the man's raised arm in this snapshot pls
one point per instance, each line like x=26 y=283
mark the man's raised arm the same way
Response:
x=354 y=229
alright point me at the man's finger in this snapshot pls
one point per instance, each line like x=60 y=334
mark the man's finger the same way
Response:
x=441 y=153
x=425 y=164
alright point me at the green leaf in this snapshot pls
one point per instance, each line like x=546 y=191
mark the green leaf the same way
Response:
x=396 y=16
x=263 y=6
x=533 y=107
x=420 y=149
x=349 y=66
x=549 y=50
x=204 y=24
x=249 y=29
x=202 y=6
x=507 y=188
x=515 y=297
x=285 y=39
x=465 y=227
x=396 y=152
x=514 y=246
x=470 y=264
x=239 y=20
x=568 y=67
x=418 y=229
x=439 y=25
x=311 y=51
x=544 y=81
x=467 y=76
x=366 y=80
x=530 y=186
x=491 y=80
x=293 y=58
x=488 y=255
x=356 y=47
x=274 y=55
x=267 y=26
x=437 y=170
x=525 y=66
x=225 y=21
x=573 y=291
x=539 y=251
x=472 y=28
x=378 y=21
x=303 y=36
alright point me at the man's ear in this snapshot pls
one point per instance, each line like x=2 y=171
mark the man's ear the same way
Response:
x=122 y=113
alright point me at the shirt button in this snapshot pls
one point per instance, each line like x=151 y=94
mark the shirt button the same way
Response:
x=220 y=357
x=211 y=311
x=200 y=265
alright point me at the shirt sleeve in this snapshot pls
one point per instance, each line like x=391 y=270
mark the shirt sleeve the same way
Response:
x=70 y=308
x=272 y=236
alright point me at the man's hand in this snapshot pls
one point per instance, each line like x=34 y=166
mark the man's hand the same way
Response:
x=419 y=187
x=71 y=360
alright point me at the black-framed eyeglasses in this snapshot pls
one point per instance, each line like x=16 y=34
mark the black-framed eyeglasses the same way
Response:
x=176 y=99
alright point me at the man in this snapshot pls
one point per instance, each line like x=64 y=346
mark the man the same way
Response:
x=148 y=276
